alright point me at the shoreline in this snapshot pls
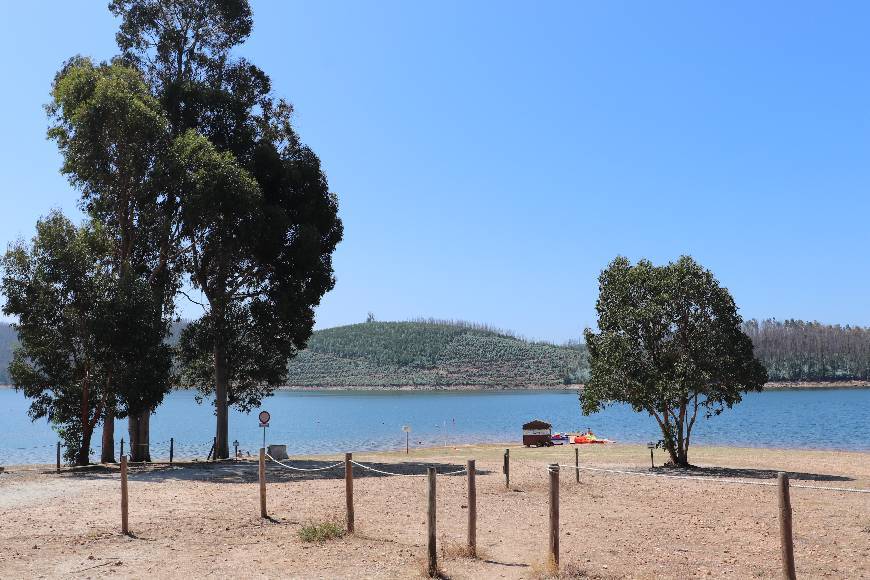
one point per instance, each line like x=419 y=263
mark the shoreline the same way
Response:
x=617 y=449
x=771 y=386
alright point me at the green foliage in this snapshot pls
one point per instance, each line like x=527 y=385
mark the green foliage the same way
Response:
x=670 y=343
x=321 y=531
x=257 y=223
x=430 y=353
x=61 y=289
x=114 y=136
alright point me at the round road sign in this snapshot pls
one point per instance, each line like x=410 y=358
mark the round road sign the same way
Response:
x=264 y=417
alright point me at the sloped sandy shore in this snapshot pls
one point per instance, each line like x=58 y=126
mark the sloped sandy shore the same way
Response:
x=199 y=520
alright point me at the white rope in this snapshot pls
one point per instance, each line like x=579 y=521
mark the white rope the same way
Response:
x=405 y=474
x=718 y=479
x=303 y=469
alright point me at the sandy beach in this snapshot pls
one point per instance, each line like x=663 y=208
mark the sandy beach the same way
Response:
x=194 y=520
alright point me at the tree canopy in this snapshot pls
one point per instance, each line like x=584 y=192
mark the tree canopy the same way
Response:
x=114 y=136
x=669 y=343
x=61 y=289
x=257 y=223
x=191 y=171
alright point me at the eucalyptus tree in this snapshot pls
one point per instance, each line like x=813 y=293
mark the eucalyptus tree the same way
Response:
x=59 y=287
x=258 y=244
x=258 y=223
x=670 y=344
x=113 y=135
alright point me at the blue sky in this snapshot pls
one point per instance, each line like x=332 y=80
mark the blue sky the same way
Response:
x=491 y=157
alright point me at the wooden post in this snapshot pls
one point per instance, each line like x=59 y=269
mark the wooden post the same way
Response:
x=348 y=489
x=263 y=482
x=785 y=531
x=125 y=528
x=577 y=463
x=472 y=508
x=58 y=456
x=171 y=449
x=122 y=446
x=554 y=513
x=507 y=468
x=430 y=522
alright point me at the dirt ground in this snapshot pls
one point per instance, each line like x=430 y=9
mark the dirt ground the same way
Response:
x=199 y=520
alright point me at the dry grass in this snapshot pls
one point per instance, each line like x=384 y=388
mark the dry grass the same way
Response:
x=322 y=531
x=455 y=550
x=547 y=570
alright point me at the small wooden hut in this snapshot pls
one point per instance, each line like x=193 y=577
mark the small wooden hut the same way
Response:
x=538 y=433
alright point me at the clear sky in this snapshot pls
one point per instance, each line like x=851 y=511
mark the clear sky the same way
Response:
x=490 y=158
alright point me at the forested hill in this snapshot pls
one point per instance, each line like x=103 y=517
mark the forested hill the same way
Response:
x=432 y=354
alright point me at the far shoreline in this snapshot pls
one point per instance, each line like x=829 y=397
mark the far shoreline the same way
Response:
x=771 y=386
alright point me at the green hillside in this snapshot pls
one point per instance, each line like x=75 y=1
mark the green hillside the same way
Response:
x=431 y=353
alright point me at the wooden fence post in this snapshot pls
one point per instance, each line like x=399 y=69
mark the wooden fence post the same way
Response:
x=553 y=469
x=125 y=528
x=263 y=482
x=171 y=449
x=577 y=463
x=507 y=468
x=785 y=531
x=348 y=490
x=58 y=456
x=472 y=508
x=430 y=523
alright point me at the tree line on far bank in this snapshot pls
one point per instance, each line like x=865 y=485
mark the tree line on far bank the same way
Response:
x=191 y=175
x=794 y=350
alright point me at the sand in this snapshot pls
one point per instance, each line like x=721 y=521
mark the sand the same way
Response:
x=198 y=520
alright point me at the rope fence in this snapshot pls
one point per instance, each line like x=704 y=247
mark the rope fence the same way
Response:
x=406 y=474
x=284 y=465
x=39 y=456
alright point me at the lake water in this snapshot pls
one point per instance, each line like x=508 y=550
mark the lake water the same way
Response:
x=330 y=422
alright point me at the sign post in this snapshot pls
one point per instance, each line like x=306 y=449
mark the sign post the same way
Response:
x=407 y=430
x=264 y=422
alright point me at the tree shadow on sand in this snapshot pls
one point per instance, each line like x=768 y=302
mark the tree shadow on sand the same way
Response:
x=747 y=473
x=247 y=471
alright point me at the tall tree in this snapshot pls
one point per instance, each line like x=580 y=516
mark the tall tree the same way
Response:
x=60 y=288
x=113 y=135
x=262 y=283
x=670 y=344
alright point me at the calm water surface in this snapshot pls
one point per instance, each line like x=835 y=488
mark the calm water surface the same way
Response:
x=328 y=422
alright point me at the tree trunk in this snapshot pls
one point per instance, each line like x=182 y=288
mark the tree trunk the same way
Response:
x=138 y=427
x=108 y=453
x=222 y=447
x=672 y=452
x=83 y=453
